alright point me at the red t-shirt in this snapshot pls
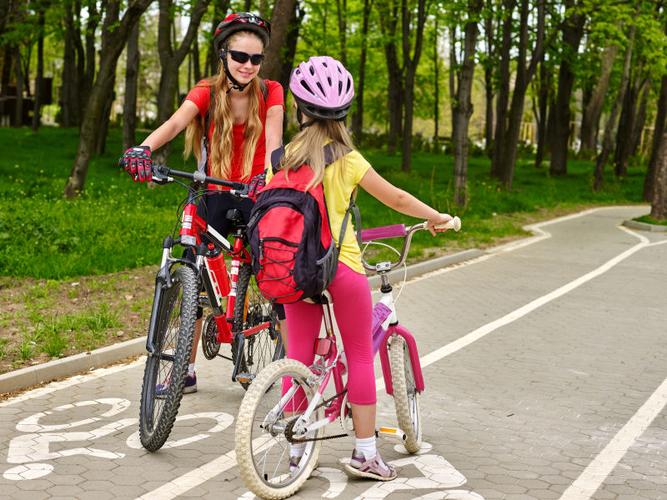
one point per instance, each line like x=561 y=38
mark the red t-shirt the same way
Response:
x=201 y=96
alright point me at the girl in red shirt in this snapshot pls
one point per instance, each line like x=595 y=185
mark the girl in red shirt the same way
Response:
x=246 y=125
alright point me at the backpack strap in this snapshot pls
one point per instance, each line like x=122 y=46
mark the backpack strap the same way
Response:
x=352 y=208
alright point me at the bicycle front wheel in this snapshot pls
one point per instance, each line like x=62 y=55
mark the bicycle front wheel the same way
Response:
x=267 y=421
x=406 y=397
x=252 y=310
x=167 y=367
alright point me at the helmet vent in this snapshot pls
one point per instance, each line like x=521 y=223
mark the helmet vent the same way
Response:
x=319 y=86
x=305 y=86
x=340 y=88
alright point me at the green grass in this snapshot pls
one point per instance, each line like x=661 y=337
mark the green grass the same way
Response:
x=118 y=224
x=650 y=220
x=80 y=331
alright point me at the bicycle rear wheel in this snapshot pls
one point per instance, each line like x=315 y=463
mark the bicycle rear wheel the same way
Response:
x=266 y=420
x=252 y=310
x=167 y=367
x=406 y=397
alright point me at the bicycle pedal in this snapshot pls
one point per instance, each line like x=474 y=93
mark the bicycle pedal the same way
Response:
x=245 y=378
x=391 y=432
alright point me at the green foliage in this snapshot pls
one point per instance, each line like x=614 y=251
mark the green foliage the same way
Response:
x=118 y=224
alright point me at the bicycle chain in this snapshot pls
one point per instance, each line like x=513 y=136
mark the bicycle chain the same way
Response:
x=288 y=431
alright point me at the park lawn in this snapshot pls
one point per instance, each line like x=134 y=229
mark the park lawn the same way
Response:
x=77 y=275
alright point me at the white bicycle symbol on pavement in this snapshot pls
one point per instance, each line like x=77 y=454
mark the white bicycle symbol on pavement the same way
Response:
x=32 y=449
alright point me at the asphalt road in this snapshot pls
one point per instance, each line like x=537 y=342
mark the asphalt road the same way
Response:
x=545 y=371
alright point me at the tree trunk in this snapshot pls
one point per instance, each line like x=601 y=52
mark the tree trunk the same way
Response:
x=388 y=10
x=69 y=93
x=19 y=88
x=502 y=98
x=88 y=61
x=101 y=141
x=7 y=61
x=610 y=126
x=436 y=85
x=196 y=66
x=114 y=37
x=341 y=12
x=410 y=64
x=489 y=34
x=358 y=116
x=289 y=50
x=36 y=114
x=573 y=31
x=640 y=121
x=524 y=75
x=131 y=79
x=658 y=130
x=171 y=59
x=659 y=201
x=542 y=115
x=625 y=127
x=283 y=12
x=220 y=8
x=462 y=109
x=591 y=116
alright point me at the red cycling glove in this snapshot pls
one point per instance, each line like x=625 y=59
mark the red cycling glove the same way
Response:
x=257 y=183
x=137 y=162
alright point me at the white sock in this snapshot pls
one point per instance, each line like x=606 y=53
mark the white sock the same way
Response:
x=297 y=450
x=366 y=447
x=191 y=369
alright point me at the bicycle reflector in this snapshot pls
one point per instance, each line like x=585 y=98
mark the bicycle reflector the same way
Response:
x=188 y=232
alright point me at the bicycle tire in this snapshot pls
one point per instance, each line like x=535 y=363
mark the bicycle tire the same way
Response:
x=175 y=325
x=264 y=346
x=258 y=408
x=406 y=397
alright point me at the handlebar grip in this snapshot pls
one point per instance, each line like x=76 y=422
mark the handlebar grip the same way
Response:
x=378 y=233
x=454 y=224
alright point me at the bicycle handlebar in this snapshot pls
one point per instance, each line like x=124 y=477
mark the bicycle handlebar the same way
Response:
x=397 y=231
x=163 y=175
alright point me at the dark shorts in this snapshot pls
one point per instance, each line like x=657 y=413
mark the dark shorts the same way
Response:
x=213 y=209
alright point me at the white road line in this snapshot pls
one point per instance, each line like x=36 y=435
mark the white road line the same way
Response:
x=76 y=380
x=484 y=330
x=200 y=475
x=598 y=470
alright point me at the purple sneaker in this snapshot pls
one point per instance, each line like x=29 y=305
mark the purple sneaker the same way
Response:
x=189 y=386
x=374 y=468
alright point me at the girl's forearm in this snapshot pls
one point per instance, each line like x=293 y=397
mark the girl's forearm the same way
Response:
x=161 y=135
x=409 y=205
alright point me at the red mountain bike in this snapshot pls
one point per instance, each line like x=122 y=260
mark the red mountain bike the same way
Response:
x=183 y=285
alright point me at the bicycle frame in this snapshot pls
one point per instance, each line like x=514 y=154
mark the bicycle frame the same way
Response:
x=205 y=241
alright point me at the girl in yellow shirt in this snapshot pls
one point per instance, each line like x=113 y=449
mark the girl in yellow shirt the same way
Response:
x=323 y=91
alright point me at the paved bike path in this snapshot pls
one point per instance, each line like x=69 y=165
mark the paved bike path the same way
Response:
x=539 y=358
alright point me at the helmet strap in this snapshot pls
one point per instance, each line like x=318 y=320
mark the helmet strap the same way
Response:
x=299 y=118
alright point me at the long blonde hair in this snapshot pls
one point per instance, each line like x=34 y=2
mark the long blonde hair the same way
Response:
x=307 y=147
x=220 y=147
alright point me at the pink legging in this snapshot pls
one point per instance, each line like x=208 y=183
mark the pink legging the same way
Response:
x=352 y=307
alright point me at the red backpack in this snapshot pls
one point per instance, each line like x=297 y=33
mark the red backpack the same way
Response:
x=294 y=255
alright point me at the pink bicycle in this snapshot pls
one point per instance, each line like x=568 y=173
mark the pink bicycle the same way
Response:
x=269 y=421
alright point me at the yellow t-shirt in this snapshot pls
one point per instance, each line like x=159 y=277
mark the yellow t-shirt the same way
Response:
x=340 y=180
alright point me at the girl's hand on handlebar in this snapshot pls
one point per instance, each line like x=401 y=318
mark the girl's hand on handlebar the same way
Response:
x=441 y=223
x=138 y=163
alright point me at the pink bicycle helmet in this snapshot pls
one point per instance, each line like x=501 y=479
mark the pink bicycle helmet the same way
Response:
x=322 y=88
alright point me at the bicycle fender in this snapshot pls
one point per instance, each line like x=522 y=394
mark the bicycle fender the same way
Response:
x=414 y=358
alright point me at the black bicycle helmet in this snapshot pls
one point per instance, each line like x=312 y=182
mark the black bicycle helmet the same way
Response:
x=241 y=21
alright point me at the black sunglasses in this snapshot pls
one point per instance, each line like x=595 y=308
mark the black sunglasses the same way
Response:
x=243 y=57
